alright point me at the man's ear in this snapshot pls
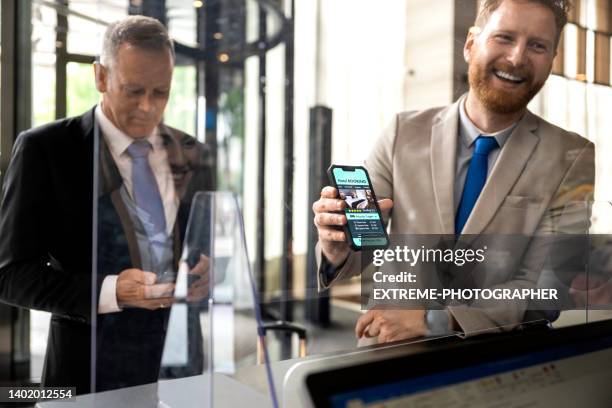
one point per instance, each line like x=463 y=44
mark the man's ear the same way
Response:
x=469 y=42
x=101 y=76
x=467 y=47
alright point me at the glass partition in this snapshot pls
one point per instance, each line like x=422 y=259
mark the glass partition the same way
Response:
x=174 y=299
x=185 y=317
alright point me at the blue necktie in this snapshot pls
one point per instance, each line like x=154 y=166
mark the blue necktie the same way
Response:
x=148 y=200
x=475 y=180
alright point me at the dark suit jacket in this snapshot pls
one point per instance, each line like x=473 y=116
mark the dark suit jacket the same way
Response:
x=46 y=220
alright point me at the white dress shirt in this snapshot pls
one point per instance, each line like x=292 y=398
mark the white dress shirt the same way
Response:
x=118 y=142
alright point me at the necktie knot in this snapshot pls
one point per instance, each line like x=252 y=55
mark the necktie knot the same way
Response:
x=485 y=144
x=139 y=149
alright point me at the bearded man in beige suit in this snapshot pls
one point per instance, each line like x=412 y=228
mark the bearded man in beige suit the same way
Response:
x=420 y=166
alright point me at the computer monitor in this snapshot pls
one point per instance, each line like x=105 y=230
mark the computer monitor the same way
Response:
x=566 y=367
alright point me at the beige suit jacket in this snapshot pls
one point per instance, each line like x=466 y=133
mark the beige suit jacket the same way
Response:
x=541 y=173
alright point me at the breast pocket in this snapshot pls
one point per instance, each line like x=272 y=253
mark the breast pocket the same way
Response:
x=518 y=215
x=526 y=202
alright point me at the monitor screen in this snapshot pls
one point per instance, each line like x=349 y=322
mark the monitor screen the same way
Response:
x=571 y=375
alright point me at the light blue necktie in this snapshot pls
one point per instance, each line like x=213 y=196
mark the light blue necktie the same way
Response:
x=147 y=198
x=475 y=180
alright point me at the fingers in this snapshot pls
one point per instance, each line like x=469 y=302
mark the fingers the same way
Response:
x=386 y=204
x=154 y=304
x=158 y=291
x=373 y=330
x=331 y=234
x=197 y=294
x=201 y=267
x=329 y=192
x=327 y=224
x=137 y=288
x=202 y=281
x=328 y=205
x=385 y=337
x=198 y=289
x=326 y=219
x=201 y=270
x=137 y=275
x=363 y=322
x=148 y=278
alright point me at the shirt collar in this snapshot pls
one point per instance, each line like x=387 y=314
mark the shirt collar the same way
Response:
x=468 y=132
x=119 y=141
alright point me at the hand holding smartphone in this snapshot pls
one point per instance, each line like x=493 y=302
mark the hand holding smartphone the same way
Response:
x=364 y=228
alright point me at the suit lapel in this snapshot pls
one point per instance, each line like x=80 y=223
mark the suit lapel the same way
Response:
x=84 y=159
x=87 y=124
x=110 y=178
x=128 y=229
x=108 y=175
x=509 y=166
x=443 y=162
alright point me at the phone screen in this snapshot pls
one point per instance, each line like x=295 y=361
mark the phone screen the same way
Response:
x=364 y=220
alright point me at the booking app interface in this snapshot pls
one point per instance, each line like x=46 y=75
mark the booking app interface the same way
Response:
x=364 y=221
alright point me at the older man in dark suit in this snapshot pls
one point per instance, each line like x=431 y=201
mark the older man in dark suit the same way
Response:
x=96 y=192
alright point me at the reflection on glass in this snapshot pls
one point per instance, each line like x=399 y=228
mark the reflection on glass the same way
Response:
x=180 y=112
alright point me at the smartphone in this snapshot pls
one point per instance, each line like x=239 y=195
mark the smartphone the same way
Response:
x=364 y=228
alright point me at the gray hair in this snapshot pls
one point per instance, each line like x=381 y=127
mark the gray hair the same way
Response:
x=140 y=31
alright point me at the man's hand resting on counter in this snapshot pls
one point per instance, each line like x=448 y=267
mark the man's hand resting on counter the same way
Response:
x=391 y=325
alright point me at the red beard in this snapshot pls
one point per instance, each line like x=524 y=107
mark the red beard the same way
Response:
x=503 y=101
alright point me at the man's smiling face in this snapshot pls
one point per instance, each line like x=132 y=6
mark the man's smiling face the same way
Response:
x=510 y=58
